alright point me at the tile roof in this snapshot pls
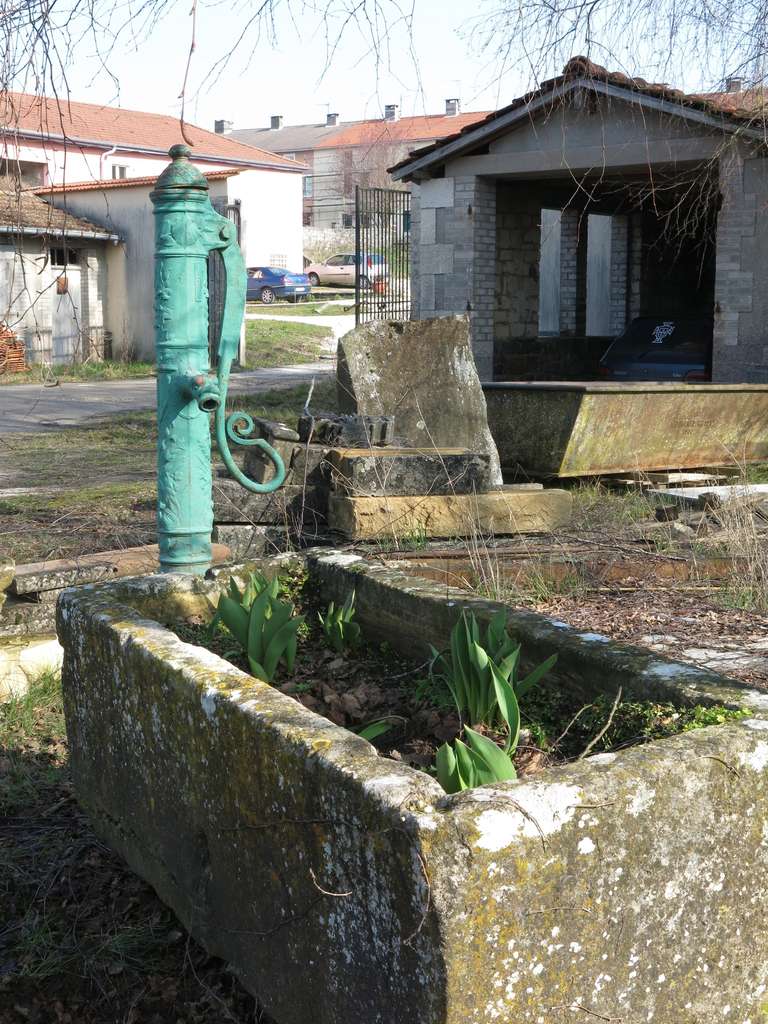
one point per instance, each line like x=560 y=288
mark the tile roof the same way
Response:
x=96 y=184
x=92 y=123
x=294 y=138
x=405 y=129
x=24 y=212
x=741 y=108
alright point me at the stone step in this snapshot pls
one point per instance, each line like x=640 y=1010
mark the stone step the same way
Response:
x=409 y=471
x=502 y=512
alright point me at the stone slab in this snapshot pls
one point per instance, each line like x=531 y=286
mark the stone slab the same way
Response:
x=423 y=372
x=498 y=512
x=409 y=471
x=701 y=497
x=57 y=573
x=20 y=617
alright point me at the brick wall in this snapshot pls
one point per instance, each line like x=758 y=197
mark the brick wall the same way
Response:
x=739 y=352
x=518 y=246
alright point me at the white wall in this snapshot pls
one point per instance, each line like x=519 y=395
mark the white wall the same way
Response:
x=271 y=216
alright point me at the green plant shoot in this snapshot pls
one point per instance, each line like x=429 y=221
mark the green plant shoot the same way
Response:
x=340 y=632
x=265 y=627
x=468 y=668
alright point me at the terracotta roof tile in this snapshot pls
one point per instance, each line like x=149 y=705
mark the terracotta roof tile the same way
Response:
x=135 y=129
x=405 y=129
x=23 y=209
x=99 y=185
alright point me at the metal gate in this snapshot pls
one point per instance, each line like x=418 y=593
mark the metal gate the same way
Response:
x=382 y=243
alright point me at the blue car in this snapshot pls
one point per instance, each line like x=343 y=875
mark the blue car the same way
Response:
x=265 y=284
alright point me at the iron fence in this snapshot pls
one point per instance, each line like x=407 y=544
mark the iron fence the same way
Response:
x=382 y=243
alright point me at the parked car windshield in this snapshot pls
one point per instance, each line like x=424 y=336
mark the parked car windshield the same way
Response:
x=656 y=339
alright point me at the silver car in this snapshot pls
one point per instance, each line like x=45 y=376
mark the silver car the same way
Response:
x=341 y=270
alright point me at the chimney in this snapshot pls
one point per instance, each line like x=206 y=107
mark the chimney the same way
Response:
x=331 y=120
x=733 y=84
x=276 y=122
x=391 y=112
x=222 y=127
x=452 y=107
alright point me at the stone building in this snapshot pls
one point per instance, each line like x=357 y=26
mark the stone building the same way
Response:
x=52 y=278
x=595 y=199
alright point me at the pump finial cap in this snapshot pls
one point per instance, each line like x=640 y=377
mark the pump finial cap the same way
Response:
x=181 y=173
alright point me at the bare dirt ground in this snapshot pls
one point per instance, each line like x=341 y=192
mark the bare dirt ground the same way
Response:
x=685 y=624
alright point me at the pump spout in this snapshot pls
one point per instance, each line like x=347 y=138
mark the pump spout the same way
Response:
x=203 y=390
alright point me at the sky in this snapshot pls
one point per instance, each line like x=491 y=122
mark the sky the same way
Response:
x=285 y=70
x=288 y=75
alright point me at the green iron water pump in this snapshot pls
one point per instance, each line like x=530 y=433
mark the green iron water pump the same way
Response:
x=187 y=230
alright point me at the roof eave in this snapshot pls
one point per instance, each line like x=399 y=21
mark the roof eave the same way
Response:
x=53 y=232
x=409 y=170
x=26 y=133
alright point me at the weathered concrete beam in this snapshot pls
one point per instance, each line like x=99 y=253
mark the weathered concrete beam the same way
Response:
x=509 y=510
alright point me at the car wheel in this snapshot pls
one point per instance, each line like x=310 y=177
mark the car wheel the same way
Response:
x=267 y=296
x=365 y=282
x=314 y=280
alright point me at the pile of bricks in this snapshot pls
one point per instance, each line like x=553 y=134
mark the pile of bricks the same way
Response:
x=12 y=352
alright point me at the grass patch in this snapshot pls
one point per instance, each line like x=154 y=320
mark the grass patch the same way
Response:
x=272 y=343
x=81 y=372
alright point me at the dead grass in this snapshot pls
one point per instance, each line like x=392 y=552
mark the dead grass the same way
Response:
x=80 y=372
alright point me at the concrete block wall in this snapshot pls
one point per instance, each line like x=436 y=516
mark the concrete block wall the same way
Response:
x=518 y=249
x=453 y=230
x=618 y=272
x=635 y=240
x=740 y=344
x=569 y=270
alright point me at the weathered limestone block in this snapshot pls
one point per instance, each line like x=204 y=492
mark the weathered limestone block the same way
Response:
x=20 y=617
x=289 y=506
x=423 y=372
x=504 y=511
x=24 y=658
x=7 y=568
x=610 y=883
x=409 y=471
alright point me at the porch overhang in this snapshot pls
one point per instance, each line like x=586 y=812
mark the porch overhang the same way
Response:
x=419 y=167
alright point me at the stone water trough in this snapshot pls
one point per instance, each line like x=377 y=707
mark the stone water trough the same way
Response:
x=567 y=429
x=345 y=887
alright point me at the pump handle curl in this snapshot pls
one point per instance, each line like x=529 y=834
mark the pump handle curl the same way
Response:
x=237 y=426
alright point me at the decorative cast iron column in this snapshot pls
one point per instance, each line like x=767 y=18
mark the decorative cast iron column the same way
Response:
x=187 y=229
